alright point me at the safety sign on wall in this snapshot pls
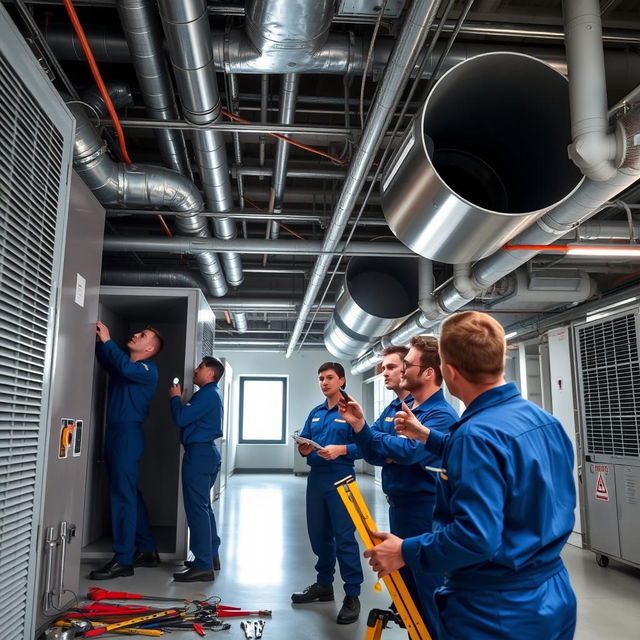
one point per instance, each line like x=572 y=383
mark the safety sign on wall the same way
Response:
x=602 y=493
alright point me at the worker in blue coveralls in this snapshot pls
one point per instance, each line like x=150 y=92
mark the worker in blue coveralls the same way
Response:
x=407 y=477
x=200 y=422
x=331 y=530
x=133 y=380
x=505 y=503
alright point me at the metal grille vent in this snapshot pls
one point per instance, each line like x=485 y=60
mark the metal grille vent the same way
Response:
x=207 y=340
x=31 y=153
x=611 y=386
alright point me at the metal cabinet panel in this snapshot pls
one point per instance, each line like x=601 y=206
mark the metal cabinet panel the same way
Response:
x=602 y=512
x=628 y=498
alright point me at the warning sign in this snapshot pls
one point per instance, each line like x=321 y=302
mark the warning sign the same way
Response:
x=602 y=492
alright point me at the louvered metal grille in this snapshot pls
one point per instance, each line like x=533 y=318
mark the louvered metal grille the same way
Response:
x=31 y=155
x=207 y=340
x=610 y=379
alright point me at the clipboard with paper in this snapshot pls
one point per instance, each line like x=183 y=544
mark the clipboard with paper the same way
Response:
x=301 y=440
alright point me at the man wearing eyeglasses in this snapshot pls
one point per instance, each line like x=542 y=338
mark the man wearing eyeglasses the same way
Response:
x=505 y=504
x=415 y=376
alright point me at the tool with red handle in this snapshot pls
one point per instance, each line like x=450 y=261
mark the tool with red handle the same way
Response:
x=168 y=613
x=223 y=611
x=96 y=594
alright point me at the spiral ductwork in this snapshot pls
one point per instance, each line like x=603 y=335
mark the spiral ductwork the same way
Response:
x=484 y=158
x=376 y=295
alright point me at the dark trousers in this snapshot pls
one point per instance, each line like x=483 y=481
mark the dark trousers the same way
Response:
x=409 y=518
x=129 y=517
x=331 y=531
x=200 y=466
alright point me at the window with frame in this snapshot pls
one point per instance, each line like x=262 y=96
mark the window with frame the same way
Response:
x=263 y=409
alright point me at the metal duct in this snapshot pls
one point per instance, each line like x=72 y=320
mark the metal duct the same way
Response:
x=410 y=41
x=186 y=25
x=377 y=294
x=288 y=96
x=142 y=31
x=142 y=185
x=240 y=321
x=120 y=95
x=152 y=278
x=486 y=155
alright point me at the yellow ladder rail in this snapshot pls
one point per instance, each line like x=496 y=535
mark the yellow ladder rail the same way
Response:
x=361 y=517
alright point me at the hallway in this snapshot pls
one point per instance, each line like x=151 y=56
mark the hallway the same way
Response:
x=266 y=555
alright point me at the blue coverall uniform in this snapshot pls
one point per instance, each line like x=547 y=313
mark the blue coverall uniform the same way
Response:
x=331 y=530
x=409 y=487
x=200 y=422
x=504 y=510
x=131 y=387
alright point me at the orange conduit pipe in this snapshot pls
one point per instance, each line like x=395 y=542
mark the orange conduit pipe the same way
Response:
x=86 y=48
x=291 y=141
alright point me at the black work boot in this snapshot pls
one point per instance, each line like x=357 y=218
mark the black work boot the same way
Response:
x=350 y=610
x=313 y=593
x=146 y=559
x=111 y=570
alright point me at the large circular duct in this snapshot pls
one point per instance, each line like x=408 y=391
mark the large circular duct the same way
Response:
x=485 y=156
x=376 y=295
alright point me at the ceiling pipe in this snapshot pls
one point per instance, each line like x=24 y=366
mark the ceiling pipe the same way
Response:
x=186 y=26
x=288 y=96
x=143 y=33
x=240 y=321
x=593 y=149
x=609 y=230
x=410 y=41
x=140 y=185
x=584 y=203
x=255 y=246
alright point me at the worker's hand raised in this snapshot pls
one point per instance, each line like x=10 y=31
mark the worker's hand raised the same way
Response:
x=102 y=332
x=408 y=425
x=351 y=412
x=332 y=451
x=175 y=391
x=386 y=556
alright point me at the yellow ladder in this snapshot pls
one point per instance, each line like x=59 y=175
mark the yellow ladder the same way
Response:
x=406 y=608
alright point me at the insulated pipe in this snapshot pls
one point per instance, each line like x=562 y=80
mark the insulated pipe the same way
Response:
x=186 y=25
x=288 y=96
x=410 y=41
x=583 y=204
x=152 y=278
x=608 y=230
x=593 y=149
x=255 y=245
x=142 y=186
x=240 y=321
x=143 y=33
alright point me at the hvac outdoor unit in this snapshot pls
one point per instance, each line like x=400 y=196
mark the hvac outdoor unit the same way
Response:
x=608 y=363
x=36 y=134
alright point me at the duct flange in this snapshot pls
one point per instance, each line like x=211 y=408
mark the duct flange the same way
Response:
x=484 y=158
x=377 y=294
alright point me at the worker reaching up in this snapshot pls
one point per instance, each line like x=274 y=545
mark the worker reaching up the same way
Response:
x=505 y=502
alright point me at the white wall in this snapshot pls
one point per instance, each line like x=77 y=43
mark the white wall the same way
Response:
x=303 y=393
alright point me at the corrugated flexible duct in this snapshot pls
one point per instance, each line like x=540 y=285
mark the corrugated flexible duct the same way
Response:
x=186 y=25
x=131 y=185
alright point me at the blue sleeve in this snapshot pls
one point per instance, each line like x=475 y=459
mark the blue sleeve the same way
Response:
x=306 y=433
x=478 y=492
x=406 y=451
x=436 y=442
x=102 y=358
x=200 y=406
x=119 y=362
x=353 y=453
x=364 y=440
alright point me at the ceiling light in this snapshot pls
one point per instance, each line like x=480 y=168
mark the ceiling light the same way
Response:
x=603 y=250
x=597 y=314
x=513 y=334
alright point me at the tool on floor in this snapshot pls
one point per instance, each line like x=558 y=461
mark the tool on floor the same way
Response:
x=97 y=594
x=168 y=614
x=224 y=611
x=77 y=624
x=406 y=608
x=248 y=628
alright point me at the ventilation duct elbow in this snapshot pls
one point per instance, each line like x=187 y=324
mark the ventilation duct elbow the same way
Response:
x=377 y=294
x=485 y=157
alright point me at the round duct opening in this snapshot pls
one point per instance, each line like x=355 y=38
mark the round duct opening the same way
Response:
x=376 y=294
x=486 y=156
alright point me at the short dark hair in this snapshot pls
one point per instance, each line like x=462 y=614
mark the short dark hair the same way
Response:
x=336 y=367
x=400 y=350
x=213 y=363
x=159 y=339
x=429 y=355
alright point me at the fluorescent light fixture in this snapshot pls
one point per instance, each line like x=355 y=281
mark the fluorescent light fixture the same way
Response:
x=607 y=311
x=603 y=250
x=513 y=334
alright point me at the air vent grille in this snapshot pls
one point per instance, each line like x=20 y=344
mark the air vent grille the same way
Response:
x=610 y=379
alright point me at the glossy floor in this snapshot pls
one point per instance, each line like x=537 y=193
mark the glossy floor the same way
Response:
x=266 y=555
